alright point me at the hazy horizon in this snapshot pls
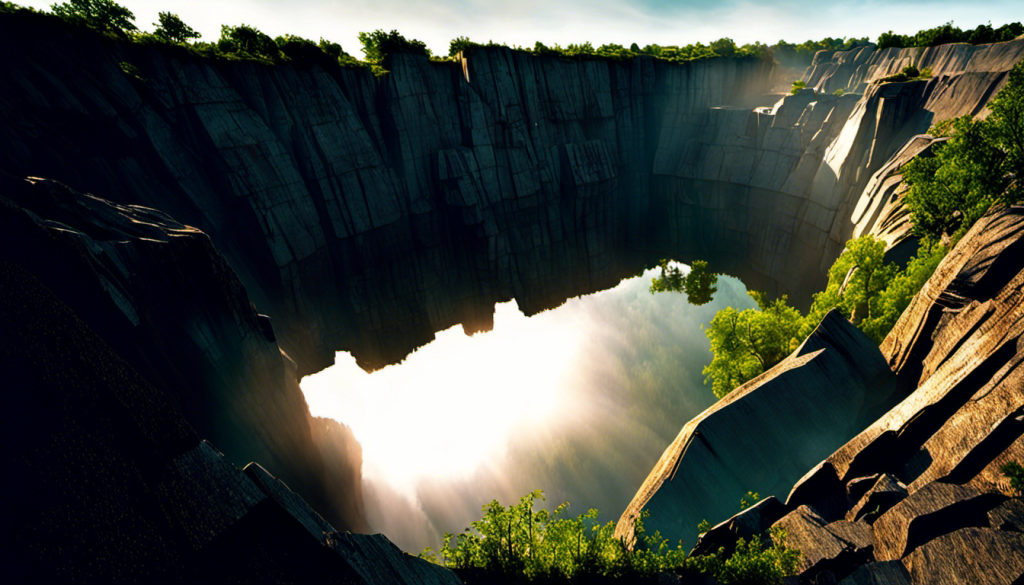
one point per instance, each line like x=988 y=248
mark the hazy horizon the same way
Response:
x=524 y=22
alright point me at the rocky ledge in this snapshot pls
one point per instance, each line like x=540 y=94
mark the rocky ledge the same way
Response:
x=914 y=497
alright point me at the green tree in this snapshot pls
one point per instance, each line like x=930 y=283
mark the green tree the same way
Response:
x=896 y=297
x=725 y=47
x=798 y=85
x=746 y=343
x=247 y=39
x=699 y=284
x=458 y=45
x=171 y=28
x=952 y=189
x=855 y=282
x=105 y=15
x=379 y=45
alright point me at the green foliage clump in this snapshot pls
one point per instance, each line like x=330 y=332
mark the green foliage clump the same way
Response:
x=458 y=45
x=839 y=92
x=980 y=165
x=378 y=46
x=699 y=284
x=1015 y=473
x=102 y=15
x=749 y=342
x=855 y=282
x=749 y=500
x=247 y=40
x=861 y=286
x=801 y=55
x=537 y=545
x=798 y=86
x=896 y=296
x=948 y=33
x=753 y=562
x=172 y=29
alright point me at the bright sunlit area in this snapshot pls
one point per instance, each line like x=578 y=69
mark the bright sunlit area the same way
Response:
x=596 y=388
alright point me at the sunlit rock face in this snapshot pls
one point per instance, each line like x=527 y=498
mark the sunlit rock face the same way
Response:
x=918 y=496
x=764 y=435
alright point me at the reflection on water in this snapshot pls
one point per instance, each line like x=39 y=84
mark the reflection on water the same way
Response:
x=579 y=401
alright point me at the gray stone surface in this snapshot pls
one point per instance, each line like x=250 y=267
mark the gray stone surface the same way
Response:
x=365 y=214
x=882 y=573
x=754 y=521
x=792 y=416
x=931 y=511
x=379 y=562
x=1008 y=516
x=886 y=492
x=971 y=556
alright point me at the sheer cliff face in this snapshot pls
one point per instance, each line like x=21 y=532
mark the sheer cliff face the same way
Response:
x=365 y=214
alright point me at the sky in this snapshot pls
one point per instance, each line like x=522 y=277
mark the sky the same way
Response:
x=579 y=401
x=522 y=22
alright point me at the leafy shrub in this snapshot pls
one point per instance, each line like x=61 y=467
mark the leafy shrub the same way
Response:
x=839 y=92
x=172 y=29
x=378 y=46
x=458 y=45
x=861 y=285
x=103 y=15
x=855 y=281
x=247 y=39
x=1015 y=473
x=978 y=166
x=911 y=71
x=522 y=543
x=798 y=85
x=749 y=342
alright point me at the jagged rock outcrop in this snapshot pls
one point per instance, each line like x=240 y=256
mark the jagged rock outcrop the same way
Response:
x=109 y=484
x=165 y=300
x=921 y=485
x=791 y=416
x=853 y=70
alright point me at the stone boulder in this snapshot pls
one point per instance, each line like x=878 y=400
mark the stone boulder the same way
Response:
x=928 y=513
x=753 y=521
x=764 y=434
x=827 y=551
x=963 y=331
x=884 y=494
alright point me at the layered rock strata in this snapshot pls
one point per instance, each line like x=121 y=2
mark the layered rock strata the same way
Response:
x=793 y=415
x=917 y=496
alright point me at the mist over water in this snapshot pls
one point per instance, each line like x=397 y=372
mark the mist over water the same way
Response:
x=579 y=401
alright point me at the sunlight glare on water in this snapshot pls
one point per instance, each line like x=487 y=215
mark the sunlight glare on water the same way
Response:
x=454 y=402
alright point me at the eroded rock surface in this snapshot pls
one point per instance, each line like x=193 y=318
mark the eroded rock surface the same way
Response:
x=792 y=416
x=113 y=485
x=162 y=296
